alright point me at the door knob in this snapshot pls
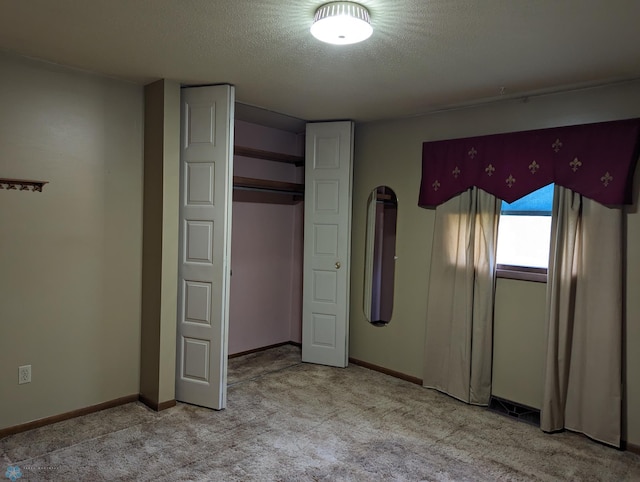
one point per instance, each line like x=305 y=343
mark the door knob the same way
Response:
x=337 y=264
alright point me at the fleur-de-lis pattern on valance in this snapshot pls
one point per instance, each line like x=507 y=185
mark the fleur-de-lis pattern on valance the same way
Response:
x=533 y=167
x=595 y=160
x=575 y=164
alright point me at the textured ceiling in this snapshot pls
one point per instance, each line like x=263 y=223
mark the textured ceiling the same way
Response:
x=424 y=55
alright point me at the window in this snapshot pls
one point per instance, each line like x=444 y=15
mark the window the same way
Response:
x=524 y=234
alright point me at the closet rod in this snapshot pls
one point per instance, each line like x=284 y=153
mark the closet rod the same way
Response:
x=267 y=190
x=267 y=185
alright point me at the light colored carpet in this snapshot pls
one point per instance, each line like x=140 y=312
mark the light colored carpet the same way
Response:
x=253 y=365
x=290 y=421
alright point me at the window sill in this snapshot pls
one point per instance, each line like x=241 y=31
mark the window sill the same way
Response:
x=523 y=273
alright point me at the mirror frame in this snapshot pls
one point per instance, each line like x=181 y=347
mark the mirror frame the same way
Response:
x=379 y=262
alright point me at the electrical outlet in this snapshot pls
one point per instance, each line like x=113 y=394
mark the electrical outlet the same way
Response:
x=24 y=374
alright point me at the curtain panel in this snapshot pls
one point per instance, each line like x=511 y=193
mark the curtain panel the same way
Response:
x=595 y=160
x=583 y=373
x=459 y=329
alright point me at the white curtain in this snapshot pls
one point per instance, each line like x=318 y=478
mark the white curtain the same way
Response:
x=583 y=376
x=459 y=330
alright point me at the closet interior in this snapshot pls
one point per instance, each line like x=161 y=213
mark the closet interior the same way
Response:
x=267 y=232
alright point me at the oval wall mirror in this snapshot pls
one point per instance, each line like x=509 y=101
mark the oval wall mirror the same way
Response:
x=380 y=255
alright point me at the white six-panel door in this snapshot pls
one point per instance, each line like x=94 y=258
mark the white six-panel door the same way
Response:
x=327 y=243
x=206 y=173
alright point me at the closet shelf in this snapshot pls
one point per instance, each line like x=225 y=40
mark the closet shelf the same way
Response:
x=268 y=185
x=268 y=155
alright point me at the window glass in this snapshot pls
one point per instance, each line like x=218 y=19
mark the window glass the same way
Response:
x=524 y=230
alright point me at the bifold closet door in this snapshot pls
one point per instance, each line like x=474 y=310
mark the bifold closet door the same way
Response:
x=206 y=172
x=327 y=243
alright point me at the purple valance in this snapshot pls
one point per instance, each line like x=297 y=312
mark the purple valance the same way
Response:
x=595 y=160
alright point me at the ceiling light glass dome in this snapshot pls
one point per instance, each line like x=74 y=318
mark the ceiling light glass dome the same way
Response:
x=341 y=23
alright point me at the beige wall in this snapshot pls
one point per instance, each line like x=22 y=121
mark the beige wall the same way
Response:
x=70 y=257
x=160 y=242
x=519 y=341
x=389 y=153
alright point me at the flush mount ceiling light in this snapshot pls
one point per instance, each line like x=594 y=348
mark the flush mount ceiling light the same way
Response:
x=341 y=23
